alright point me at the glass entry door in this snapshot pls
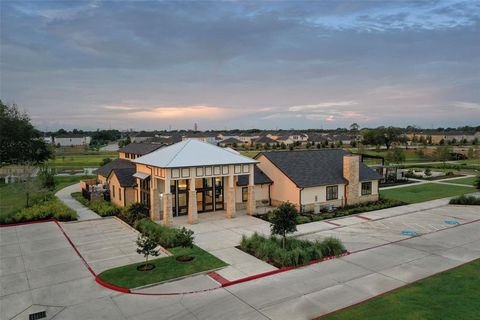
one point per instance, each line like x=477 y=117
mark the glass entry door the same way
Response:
x=179 y=190
x=208 y=194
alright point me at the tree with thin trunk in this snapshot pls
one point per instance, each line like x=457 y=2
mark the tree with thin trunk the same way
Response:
x=148 y=247
x=284 y=221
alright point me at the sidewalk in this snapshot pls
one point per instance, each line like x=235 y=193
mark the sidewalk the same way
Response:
x=83 y=212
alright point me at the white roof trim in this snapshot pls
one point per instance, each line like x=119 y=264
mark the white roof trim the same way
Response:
x=141 y=175
x=192 y=153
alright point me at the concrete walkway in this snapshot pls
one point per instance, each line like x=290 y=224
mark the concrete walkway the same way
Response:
x=442 y=181
x=39 y=271
x=83 y=212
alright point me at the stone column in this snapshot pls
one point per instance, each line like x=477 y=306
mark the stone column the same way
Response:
x=251 y=203
x=230 y=196
x=192 y=203
x=167 y=205
x=154 y=200
x=351 y=172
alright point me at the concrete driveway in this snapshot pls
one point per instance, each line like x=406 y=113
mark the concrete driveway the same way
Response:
x=39 y=271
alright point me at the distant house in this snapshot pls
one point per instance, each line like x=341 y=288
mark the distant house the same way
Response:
x=247 y=138
x=312 y=179
x=231 y=142
x=319 y=138
x=264 y=141
x=448 y=136
x=142 y=136
x=293 y=138
x=72 y=140
x=201 y=136
x=134 y=150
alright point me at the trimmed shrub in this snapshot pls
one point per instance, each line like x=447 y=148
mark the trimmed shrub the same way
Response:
x=51 y=209
x=136 y=211
x=465 y=200
x=167 y=237
x=296 y=252
x=104 y=208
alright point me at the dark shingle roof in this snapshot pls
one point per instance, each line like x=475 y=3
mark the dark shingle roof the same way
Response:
x=310 y=168
x=140 y=148
x=258 y=178
x=231 y=140
x=265 y=139
x=114 y=164
x=125 y=176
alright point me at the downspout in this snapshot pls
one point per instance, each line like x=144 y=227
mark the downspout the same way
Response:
x=300 y=199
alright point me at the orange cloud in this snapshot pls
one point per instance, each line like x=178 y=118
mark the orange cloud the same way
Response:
x=182 y=112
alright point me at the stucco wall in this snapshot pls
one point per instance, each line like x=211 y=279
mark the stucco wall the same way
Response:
x=261 y=193
x=283 y=189
x=308 y=194
x=115 y=198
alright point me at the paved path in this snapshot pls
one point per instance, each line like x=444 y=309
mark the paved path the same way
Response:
x=83 y=212
x=39 y=271
x=442 y=181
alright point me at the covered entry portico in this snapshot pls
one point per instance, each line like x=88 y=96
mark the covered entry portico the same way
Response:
x=192 y=177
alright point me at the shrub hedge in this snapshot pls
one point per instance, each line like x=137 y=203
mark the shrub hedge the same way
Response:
x=296 y=252
x=465 y=200
x=101 y=207
x=341 y=212
x=165 y=236
x=50 y=209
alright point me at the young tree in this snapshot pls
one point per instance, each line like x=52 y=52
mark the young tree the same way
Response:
x=470 y=153
x=477 y=183
x=148 y=247
x=284 y=221
x=398 y=155
x=442 y=153
x=47 y=179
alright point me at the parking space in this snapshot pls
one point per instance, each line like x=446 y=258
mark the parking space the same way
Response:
x=367 y=234
x=104 y=243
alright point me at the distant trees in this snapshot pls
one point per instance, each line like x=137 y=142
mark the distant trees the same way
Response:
x=383 y=136
x=396 y=156
x=20 y=142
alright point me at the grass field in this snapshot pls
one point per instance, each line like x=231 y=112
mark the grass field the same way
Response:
x=13 y=196
x=410 y=156
x=165 y=268
x=466 y=181
x=448 y=295
x=424 y=192
x=80 y=160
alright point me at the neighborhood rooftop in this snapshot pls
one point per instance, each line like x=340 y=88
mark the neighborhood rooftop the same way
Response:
x=308 y=168
x=192 y=153
x=140 y=148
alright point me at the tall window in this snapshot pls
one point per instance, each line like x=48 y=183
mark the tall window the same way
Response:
x=366 y=188
x=113 y=191
x=120 y=194
x=332 y=193
x=244 y=194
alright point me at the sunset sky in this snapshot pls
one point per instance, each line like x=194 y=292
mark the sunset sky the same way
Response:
x=238 y=64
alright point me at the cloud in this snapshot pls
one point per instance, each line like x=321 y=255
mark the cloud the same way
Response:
x=188 y=112
x=118 y=107
x=320 y=106
x=467 y=105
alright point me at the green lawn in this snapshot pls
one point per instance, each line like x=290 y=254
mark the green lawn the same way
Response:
x=424 y=192
x=80 y=160
x=410 y=156
x=13 y=196
x=166 y=268
x=466 y=181
x=448 y=295
x=250 y=154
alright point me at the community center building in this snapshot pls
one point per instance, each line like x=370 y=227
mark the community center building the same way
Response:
x=191 y=177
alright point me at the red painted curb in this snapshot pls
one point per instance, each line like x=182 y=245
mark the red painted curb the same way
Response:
x=333 y=223
x=362 y=217
x=215 y=276
x=111 y=286
x=389 y=291
x=280 y=270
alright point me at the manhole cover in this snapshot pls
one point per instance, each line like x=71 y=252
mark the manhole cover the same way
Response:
x=409 y=233
x=453 y=222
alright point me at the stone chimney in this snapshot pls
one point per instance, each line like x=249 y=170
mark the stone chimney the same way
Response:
x=351 y=172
